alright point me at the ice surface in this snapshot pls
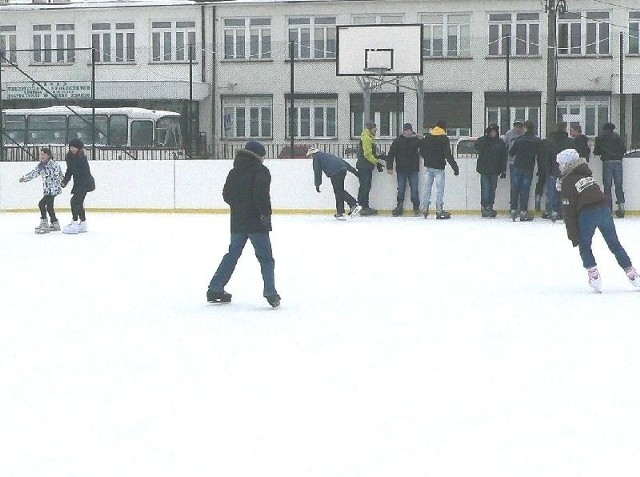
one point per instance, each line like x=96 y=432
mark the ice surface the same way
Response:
x=403 y=347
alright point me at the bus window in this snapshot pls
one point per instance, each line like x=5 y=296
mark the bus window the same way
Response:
x=15 y=128
x=168 y=133
x=118 y=130
x=46 y=130
x=80 y=128
x=141 y=133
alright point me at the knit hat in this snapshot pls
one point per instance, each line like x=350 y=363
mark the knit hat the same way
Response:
x=370 y=125
x=608 y=127
x=493 y=127
x=567 y=157
x=407 y=127
x=255 y=147
x=77 y=143
x=312 y=150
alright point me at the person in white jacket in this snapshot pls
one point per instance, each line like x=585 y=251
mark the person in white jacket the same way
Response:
x=51 y=174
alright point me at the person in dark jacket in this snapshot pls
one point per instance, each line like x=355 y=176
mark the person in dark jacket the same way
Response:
x=585 y=210
x=557 y=141
x=335 y=169
x=435 y=149
x=492 y=163
x=405 y=152
x=247 y=191
x=580 y=141
x=83 y=183
x=526 y=151
x=610 y=147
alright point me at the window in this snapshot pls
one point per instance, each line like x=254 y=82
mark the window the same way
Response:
x=46 y=130
x=80 y=128
x=313 y=37
x=172 y=41
x=583 y=34
x=313 y=117
x=523 y=106
x=377 y=19
x=454 y=108
x=446 y=35
x=386 y=109
x=527 y=34
x=247 y=117
x=8 y=43
x=634 y=33
x=141 y=133
x=113 y=42
x=242 y=35
x=54 y=43
x=591 y=112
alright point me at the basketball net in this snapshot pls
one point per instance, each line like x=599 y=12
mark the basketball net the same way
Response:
x=376 y=78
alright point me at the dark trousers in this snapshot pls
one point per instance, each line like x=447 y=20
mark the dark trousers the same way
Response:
x=588 y=221
x=412 y=179
x=542 y=181
x=612 y=172
x=520 y=188
x=262 y=246
x=77 y=206
x=342 y=196
x=366 y=176
x=46 y=206
x=488 y=185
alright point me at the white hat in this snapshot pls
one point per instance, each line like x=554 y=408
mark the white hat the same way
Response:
x=312 y=150
x=567 y=156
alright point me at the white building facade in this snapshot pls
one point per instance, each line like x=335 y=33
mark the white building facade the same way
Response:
x=236 y=85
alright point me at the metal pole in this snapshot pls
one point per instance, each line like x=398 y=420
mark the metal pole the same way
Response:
x=398 y=130
x=291 y=105
x=508 y=85
x=2 y=57
x=551 y=66
x=93 y=104
x=622 y=98
x=190 y=109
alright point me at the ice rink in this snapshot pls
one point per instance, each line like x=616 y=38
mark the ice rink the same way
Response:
x=404 y=347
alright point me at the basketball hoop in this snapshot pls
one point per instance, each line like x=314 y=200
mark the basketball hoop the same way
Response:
x=376 y=77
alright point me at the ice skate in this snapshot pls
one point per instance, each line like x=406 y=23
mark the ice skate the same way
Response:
x=620 y=211
x=339 y=217
x=442 y=214
x=73 y=228
x=492 y=213
x=355 y=211
x=554 y=216
x=398 y=211
x=426 y=212
x=514 y=214
x=218 y=297
x=82 y=227
x=633 y=277
x=525 y=216
x=416 y=212
x=43 y=228
x=368 y=211
x=274 y=300
x=595 y=281
x=55 y=226
x=485 y=212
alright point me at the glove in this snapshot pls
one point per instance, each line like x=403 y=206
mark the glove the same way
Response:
x=63 y=184
x=317 y=188
x=266 y=221
x=503 y=175
x=456 y=169
x=575 y=243
x=456 y=172
x=21 y=179
x=379 y=167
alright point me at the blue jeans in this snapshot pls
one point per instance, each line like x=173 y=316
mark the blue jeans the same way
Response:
x=612 y=172
x=412 y=178
x=434 y=175
x=588 y=221
x=554 y=199
x=520 y=188
x=366 y=176
x=262 y=246
x=488 y=185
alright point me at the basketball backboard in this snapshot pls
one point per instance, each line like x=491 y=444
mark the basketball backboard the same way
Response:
x=394 y=49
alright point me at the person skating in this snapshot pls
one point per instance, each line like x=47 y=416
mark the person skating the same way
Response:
x=492 y=163
x=586 y=209
x=51 y=174
x=405 y=151
x=247 y=191
x=368 y=158
x=335 y=169
x=83 y=183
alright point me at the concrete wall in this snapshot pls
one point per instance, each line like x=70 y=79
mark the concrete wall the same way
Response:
x=197 y=185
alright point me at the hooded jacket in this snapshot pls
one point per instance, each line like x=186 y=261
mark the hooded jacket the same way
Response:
x=609 y=146
x=579 y=191
x=435 y=149
x=405 y=151
x=51 y=176
x=492 y=155
x=246 y=190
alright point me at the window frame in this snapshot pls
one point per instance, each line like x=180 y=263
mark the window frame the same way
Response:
x=633 y=38
x=264 y=121
x=579 y=25
x=312 y=106
x=463 y=45
x=248 y=30
x=8 y=42
x=173 y=41
x=121 y=42
x=324 y=25
x=56 y=44
x=509 y=26
x=589 y=110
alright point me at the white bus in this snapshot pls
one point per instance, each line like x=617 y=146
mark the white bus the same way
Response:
x=120 y=133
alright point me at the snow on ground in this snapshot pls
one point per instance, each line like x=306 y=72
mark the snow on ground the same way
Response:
x=403 y=347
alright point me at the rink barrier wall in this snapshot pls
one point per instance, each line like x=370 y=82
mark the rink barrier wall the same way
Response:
x=196 y=186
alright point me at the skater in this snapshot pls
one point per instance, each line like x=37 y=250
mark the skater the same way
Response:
x=368 y=158
x=435 y=149
x=335 y=169
x=405 y=150
x=610 y=147
x=246 y=190
x=585 y=209
x=525 y=151
x=492 y=163
x=83 y=183
x=51 y=174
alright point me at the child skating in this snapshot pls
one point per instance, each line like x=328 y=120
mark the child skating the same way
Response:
x=51 y=174
x=586 y=209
